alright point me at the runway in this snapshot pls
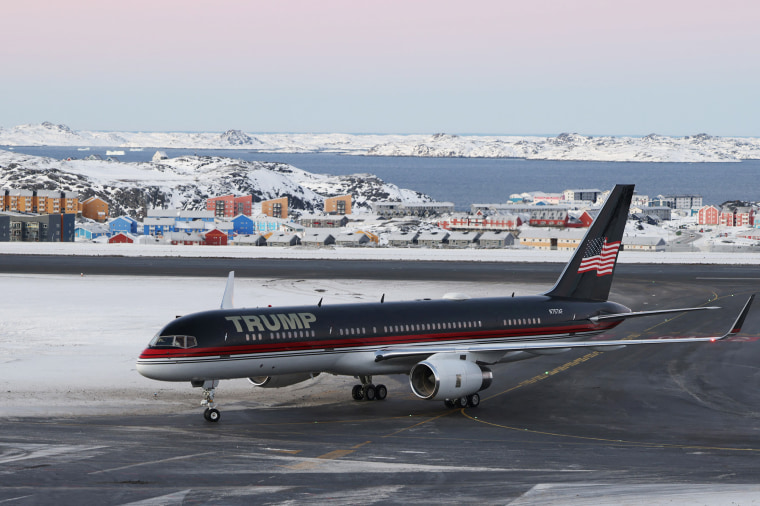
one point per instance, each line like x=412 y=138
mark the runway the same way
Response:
x=669 y=423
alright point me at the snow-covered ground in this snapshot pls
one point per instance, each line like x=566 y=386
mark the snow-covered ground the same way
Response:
x=68 y=344
x=651 y=148
x=366 y=253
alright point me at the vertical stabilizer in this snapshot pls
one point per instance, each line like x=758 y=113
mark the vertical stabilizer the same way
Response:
x=588 y=274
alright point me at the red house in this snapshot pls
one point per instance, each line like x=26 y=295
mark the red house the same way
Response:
x=229 y=206
x=708 y=215
x=216 y=238
x=122 y=238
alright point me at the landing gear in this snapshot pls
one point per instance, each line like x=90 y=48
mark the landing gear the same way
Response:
x=211 y=413
x=468 y=401
x=368 y=391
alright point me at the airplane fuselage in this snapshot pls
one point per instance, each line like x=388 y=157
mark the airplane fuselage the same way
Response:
x=343 y=339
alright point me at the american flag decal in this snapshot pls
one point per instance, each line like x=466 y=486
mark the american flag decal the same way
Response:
x=599 y=256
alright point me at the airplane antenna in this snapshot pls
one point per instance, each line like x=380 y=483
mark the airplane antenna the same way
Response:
x=513 y=294
x=382 y=299
x=319 y=304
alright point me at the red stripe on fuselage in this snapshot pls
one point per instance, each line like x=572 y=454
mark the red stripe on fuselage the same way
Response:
x=375 y=341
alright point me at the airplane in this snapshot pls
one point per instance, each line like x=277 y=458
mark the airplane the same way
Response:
x=446 y=347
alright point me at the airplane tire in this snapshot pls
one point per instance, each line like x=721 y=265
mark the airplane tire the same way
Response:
x=449 y=403
x=473 y=400
x=381 y=392
x=369 y=392
x=461 y=402
x=357 y=392
x=212 y=415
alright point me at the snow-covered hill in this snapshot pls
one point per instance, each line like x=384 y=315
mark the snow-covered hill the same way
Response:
x=651 y=148
x=187 y=182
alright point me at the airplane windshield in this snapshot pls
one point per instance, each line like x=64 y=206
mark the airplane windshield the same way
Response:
x=174 y=341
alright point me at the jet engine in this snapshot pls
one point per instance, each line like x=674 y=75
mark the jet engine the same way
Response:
x=282 y=380
x=443 y=376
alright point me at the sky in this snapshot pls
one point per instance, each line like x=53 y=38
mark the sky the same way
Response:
x=542 y=67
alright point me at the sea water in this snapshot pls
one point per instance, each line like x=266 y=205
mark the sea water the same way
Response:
x=464 y=181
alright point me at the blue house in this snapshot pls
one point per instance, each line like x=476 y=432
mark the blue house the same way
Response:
x=90 y=231
x=188 y=216
x=158 y=227
x=242 y=225
x=263 y=224
x=122 y=224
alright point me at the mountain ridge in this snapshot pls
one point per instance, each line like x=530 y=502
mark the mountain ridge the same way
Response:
x=700 y=147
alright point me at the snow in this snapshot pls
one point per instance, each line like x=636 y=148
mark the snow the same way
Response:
x=68 y=344
x=186 y=182
x=519 y=255
x=651 y=148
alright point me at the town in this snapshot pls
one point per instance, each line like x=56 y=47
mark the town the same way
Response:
x=549 y=221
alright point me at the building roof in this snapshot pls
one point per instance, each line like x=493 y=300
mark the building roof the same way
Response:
x=403 y=236
x=552 y=233
x=433 y=235
x=350 y=236
x=495 y=235
x=463 y=236
x=644 y=240
x=158 y=221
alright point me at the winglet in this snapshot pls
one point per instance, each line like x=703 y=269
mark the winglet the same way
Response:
x=737 y=326
x=228 y=292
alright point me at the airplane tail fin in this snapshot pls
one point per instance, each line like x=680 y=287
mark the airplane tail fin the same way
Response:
x=588 y=274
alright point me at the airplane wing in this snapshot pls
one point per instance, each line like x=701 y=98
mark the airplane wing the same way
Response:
x=229 y=291
x=411 y=351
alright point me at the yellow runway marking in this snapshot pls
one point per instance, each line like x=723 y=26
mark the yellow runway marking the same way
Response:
x=613 y=441
x=335 y=454
x=581 y=360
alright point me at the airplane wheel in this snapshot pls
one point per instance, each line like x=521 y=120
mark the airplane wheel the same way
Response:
x=461 y=402
x=473 y=400
x=357 y=393
x=369 y=392
x=381 y=392
x=212 y=415
x=449 y=403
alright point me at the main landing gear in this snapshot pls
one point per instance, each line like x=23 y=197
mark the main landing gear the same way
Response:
x=468 y=401
x=368 y=391
x=211 y=413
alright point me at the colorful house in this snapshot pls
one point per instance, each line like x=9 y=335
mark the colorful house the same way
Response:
x=94 y=208
x=708 y=215
x=122 y=238
x=124 y=224
x=215 y=237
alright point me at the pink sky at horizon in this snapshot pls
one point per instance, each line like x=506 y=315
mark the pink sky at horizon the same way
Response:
x=348 y=53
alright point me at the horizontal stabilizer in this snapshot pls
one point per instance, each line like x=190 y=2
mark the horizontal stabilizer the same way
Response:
x=636 y=314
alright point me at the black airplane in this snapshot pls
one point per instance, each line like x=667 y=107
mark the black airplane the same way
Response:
x=446 y=347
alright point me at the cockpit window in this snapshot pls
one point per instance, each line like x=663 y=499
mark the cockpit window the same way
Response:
x=175 y=341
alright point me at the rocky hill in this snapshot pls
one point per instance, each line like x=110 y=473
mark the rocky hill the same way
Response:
x=187 y=182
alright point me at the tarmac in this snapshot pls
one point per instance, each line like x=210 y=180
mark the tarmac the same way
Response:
x=649 y=424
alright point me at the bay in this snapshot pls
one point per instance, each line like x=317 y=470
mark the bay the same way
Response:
x=464 y=181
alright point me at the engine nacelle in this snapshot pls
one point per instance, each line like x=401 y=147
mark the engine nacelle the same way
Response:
x=447 y=376
x=282 y=380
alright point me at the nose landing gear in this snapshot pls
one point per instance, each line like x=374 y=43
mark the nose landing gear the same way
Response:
x=211 y=413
